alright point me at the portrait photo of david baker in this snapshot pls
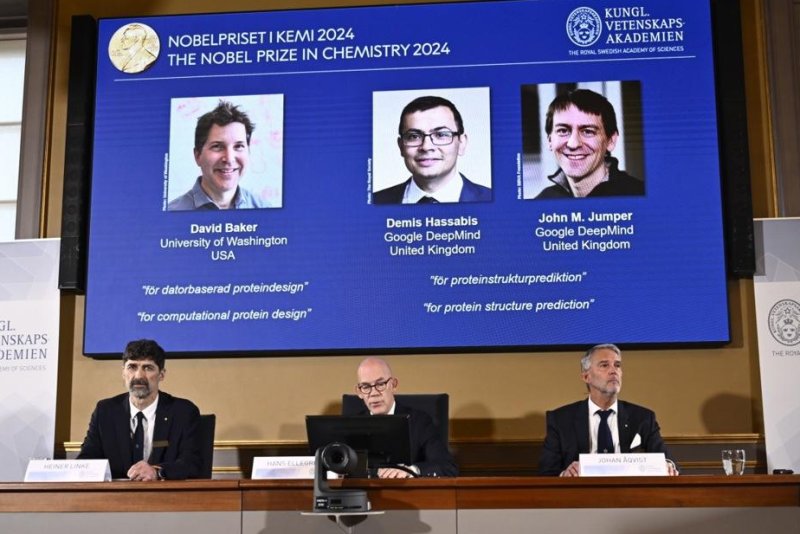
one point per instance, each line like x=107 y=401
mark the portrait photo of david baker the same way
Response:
x=237 y=154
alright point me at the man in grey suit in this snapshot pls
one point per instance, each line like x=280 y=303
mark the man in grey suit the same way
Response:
x=580 y=427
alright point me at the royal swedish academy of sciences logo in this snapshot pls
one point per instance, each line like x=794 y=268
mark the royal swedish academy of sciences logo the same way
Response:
x=784 y=322
x=584 y=26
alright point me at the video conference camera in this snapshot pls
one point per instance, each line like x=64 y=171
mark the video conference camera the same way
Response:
x=341 y=459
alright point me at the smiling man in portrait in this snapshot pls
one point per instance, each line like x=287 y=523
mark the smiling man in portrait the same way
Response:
x=582 y=131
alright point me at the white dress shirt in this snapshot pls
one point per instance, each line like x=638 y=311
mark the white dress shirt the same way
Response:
x=449 y=192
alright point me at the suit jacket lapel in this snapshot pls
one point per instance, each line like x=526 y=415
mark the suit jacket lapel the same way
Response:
x=400 y=409
x=624 y=428
x=161 y=430
x=122 y=429
x=582 y=427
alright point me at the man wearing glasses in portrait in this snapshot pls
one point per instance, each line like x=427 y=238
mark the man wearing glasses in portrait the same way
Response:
x=431 y=139
x=429 y=454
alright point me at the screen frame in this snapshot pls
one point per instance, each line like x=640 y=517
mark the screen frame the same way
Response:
x=387 y=438
x=487 y=348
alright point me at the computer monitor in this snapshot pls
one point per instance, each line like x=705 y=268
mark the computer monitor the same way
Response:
x=383 y=440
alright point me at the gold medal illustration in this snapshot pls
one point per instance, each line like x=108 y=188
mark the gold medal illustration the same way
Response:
x=134 y=47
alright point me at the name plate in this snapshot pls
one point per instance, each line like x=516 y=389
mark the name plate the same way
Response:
x=68 y=471
x=648 y=464
x=273 y=467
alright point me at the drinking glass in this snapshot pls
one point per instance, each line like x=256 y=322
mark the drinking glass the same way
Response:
x=733 y=461
x=727 y=461
x=738 y=462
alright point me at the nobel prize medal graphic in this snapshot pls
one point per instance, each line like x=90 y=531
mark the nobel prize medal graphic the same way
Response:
x=133 y=48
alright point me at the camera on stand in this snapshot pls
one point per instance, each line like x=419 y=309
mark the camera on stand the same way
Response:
x=341 y=459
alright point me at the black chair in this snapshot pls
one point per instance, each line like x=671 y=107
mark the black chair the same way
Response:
x=436 y=405
x=208 y=423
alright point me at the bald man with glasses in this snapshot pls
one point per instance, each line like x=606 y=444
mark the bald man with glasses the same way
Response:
x=429 y=455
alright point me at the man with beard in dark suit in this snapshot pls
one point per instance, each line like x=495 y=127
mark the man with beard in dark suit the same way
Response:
x=145 y=434
x=578 y=427
x=429 y=455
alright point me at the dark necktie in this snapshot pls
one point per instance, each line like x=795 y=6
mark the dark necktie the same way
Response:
x=427 y=200
x=138 y=439
x=604 y=441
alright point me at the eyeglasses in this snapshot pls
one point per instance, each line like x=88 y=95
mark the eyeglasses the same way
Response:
x=442 y=137
x=379 y=386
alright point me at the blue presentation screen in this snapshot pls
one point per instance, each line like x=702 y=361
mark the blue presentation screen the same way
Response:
x=464 y=176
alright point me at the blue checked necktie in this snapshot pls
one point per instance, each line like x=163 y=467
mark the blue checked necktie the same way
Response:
x=138 y=439
x=604 y=441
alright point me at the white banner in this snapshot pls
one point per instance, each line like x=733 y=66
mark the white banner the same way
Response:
x=29 y=316
x=777 y=299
